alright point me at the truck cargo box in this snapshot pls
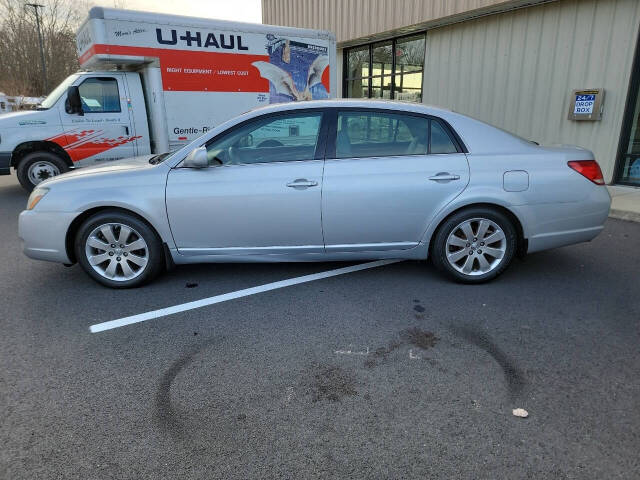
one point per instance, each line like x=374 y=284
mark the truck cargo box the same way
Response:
x=198 y=73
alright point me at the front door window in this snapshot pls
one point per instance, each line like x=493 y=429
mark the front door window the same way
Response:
x=281 y=138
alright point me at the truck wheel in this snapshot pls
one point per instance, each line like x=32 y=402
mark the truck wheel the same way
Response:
x=38 y=166
x=474 y=245
x=118 y=250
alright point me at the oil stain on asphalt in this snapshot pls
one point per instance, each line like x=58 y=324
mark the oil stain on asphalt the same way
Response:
x=411 y=336
x=419 y=338
x=331 y=383
x=419 y=309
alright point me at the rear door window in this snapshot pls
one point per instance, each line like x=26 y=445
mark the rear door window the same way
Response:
x=380 y=134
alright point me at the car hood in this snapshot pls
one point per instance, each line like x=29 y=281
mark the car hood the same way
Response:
x=107 y=169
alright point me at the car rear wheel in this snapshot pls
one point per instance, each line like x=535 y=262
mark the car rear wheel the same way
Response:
x=118 y=250
x=474 y=245
x=39 y=166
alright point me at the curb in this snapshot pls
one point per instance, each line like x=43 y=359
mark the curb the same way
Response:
x=625 y=215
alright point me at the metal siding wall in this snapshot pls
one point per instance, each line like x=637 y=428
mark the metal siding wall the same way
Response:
x=516 y=70
x=350 y=19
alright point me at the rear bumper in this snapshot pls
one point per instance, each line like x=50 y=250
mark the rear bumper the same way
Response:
x=561 y=239
x=560 y=224
x=5 y=163
x=44 y=234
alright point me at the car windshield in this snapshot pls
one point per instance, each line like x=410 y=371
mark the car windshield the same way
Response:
x=53 y=97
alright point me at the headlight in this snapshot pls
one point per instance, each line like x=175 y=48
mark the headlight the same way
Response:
x=35 y=197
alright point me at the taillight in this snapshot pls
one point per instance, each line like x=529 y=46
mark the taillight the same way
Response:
x=589 y=169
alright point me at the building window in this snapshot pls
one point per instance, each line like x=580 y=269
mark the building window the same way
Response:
x=390 y=69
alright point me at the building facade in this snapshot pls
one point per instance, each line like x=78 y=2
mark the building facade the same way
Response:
x=552 y=71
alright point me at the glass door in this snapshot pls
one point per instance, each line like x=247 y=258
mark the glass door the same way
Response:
x=628 y=165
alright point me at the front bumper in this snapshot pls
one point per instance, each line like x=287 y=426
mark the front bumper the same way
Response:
x=5 y=163
x=44 y=234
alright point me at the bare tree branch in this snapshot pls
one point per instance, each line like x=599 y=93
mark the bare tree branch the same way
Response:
x=20 y=67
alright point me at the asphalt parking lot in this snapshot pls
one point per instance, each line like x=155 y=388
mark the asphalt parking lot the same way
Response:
x=389 y=372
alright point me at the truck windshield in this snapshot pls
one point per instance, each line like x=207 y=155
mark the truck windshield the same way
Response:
x=53 y=97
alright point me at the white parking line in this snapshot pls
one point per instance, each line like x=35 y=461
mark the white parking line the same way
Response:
x=143 y=317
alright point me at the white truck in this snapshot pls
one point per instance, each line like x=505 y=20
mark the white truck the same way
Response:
x=152 y=83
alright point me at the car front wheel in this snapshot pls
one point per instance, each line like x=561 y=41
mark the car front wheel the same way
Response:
x=474 y=245
x=118 y=250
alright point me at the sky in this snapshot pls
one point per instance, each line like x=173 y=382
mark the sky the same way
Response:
x=238 y=10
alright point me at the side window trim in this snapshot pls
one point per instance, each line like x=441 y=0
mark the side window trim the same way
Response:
x=332 y=133
x=330 y=152
x=453 y=135
x=321 y=142
x=117 y=88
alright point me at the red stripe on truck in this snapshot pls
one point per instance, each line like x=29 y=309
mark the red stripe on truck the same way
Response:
x=197 y=71
x=86 y=143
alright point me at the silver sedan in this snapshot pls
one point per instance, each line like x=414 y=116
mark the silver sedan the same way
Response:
x=323 y=181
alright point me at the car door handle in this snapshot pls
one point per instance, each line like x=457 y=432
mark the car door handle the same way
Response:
x=302 y=183
x=446 y=176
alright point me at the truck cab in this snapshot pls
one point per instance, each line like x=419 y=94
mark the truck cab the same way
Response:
x=110 y=124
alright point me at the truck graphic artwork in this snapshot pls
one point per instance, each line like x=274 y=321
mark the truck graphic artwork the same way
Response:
x=296 y=71
x=87 y=143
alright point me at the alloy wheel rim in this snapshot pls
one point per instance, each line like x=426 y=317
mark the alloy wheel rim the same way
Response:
x=41 y=170
x=117 y=252
x=476 y=246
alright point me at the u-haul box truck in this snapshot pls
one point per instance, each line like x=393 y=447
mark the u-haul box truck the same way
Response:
x=152 y=83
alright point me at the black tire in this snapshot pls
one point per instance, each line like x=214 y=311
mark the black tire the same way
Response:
x=154 y=250
x=33 y=158
x=439 y=248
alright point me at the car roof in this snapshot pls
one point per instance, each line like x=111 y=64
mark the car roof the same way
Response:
x=476 y=136
x=354 y=103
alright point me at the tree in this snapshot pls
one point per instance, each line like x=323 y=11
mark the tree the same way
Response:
x=20 y=65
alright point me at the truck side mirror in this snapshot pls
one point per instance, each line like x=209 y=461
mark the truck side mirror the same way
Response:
x=197 y=158
x=73 y=103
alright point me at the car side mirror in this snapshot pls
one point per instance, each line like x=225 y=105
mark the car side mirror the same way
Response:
x=73 y=103
x=197 y=158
